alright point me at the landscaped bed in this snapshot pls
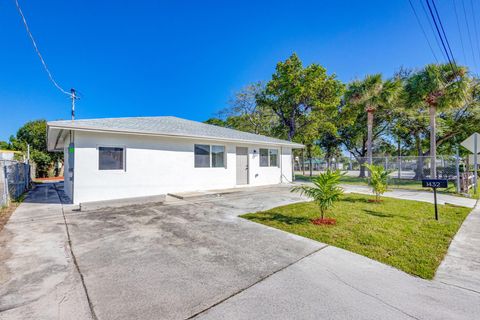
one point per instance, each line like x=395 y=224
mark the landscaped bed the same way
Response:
x=401 y=233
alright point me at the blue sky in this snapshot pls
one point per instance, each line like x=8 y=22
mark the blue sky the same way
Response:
x=187 y=58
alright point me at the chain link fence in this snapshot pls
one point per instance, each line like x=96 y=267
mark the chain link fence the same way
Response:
x=14 y=180
x=402 y=169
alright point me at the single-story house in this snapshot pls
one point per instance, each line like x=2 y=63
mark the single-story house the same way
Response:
x=118 y=158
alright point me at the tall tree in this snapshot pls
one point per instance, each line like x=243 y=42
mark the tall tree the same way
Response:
x=294 y=91
x=372 y=93
x=439 y=88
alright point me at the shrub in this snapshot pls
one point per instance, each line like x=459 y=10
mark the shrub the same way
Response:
x=325 y=190
x=378 y=179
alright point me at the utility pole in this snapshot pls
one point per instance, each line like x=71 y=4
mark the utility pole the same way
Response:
x=73 y=96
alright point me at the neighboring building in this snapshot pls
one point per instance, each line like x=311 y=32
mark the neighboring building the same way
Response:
x=8 y=154
x=133 y=157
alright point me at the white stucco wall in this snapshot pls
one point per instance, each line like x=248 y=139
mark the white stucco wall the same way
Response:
x=157 y=165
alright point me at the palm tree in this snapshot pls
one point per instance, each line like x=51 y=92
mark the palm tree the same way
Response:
x=438 y=87
x=325 y=190
x=373 y=93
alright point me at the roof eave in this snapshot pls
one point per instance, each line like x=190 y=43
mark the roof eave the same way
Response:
x=90 y=129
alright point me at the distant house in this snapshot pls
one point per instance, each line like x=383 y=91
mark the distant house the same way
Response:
x=132 y=157
x=8 y=154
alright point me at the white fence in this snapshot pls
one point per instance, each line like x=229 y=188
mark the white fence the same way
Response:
x=14 y=180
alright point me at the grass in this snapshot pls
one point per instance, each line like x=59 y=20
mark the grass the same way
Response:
x=392 y=183
x=6 y=211
x=401 y=233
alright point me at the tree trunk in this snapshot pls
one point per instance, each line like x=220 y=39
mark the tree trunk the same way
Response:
x=419 y=168
x=303 y=162
x=361 y=161
x=369 y=135
x=433 y=143
x=311 y=162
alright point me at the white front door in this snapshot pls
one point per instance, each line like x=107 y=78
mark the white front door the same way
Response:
x=242 y=165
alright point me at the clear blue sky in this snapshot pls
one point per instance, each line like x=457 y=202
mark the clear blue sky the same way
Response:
x=187 y=58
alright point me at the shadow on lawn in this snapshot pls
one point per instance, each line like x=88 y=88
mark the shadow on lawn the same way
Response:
x=354 y=200
x=378 y=214
x=281 y=218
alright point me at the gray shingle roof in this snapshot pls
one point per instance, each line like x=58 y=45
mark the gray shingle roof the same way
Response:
x=167 y=126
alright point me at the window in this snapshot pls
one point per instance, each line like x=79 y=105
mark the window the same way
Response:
x=268 y=158
x=218 y=155
x=111 y=158
x=273 y=157
x=207 y=156
x=202 y=156
x=263 y=157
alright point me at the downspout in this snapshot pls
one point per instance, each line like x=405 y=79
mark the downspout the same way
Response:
x=281 y=165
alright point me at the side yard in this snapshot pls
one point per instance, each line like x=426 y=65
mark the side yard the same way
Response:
x=401 y=233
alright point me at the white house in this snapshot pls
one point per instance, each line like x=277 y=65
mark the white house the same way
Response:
x=117 y=158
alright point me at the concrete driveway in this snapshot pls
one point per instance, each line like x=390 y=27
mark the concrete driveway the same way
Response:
x=196 y=258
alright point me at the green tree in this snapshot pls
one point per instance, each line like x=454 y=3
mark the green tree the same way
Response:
x=294 y=91
x=4 y=145
x=378 y=180
x=371 y=94
x=325 y=190
x=34 y=133
x=437 y=87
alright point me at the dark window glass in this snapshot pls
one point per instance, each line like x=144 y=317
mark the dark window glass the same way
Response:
x=218 y=156
x=202 y=156
x=273 y=158
x=263 y=157
x=110 y=158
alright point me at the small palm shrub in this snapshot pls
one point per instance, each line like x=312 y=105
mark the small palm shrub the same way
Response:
x=378 y=180
x=325 y=190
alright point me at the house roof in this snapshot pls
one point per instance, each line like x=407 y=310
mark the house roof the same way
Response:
x=159 y=126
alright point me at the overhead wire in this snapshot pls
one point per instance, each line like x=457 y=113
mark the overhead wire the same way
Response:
x=475 y=27
x=469 y=35
x=460 y=32
x=423 y=31
x=432 y=29
x=35 y=46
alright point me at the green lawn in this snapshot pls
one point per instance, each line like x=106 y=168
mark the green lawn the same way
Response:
x=392 y=183
x=401 y=233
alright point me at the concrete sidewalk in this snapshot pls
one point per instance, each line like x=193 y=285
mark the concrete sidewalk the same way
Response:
x=461 y=266
x=38 y=279
x=424 y=196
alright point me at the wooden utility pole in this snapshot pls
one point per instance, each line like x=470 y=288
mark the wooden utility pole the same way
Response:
x=73 y=96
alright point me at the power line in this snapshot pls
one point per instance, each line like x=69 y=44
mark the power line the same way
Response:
x=469 y=35
x=459 y=31
x=443 y=31
x=440 y=35
x=475 y=27
x=50 y=76
x=432 y=29
x=423 y=30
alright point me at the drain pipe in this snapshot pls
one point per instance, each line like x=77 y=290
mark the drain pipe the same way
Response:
x=281 y=165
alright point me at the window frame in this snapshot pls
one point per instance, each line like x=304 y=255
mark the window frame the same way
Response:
x=210 y=155
x=268 y=158
x=123 y=147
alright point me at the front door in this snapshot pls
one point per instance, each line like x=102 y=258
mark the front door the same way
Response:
x=242 y=165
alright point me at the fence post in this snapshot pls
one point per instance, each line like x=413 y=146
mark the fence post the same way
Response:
x=399 y=166
x=5 y=182
x=457 y=169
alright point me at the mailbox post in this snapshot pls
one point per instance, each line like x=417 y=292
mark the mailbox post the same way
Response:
x=434 y=184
